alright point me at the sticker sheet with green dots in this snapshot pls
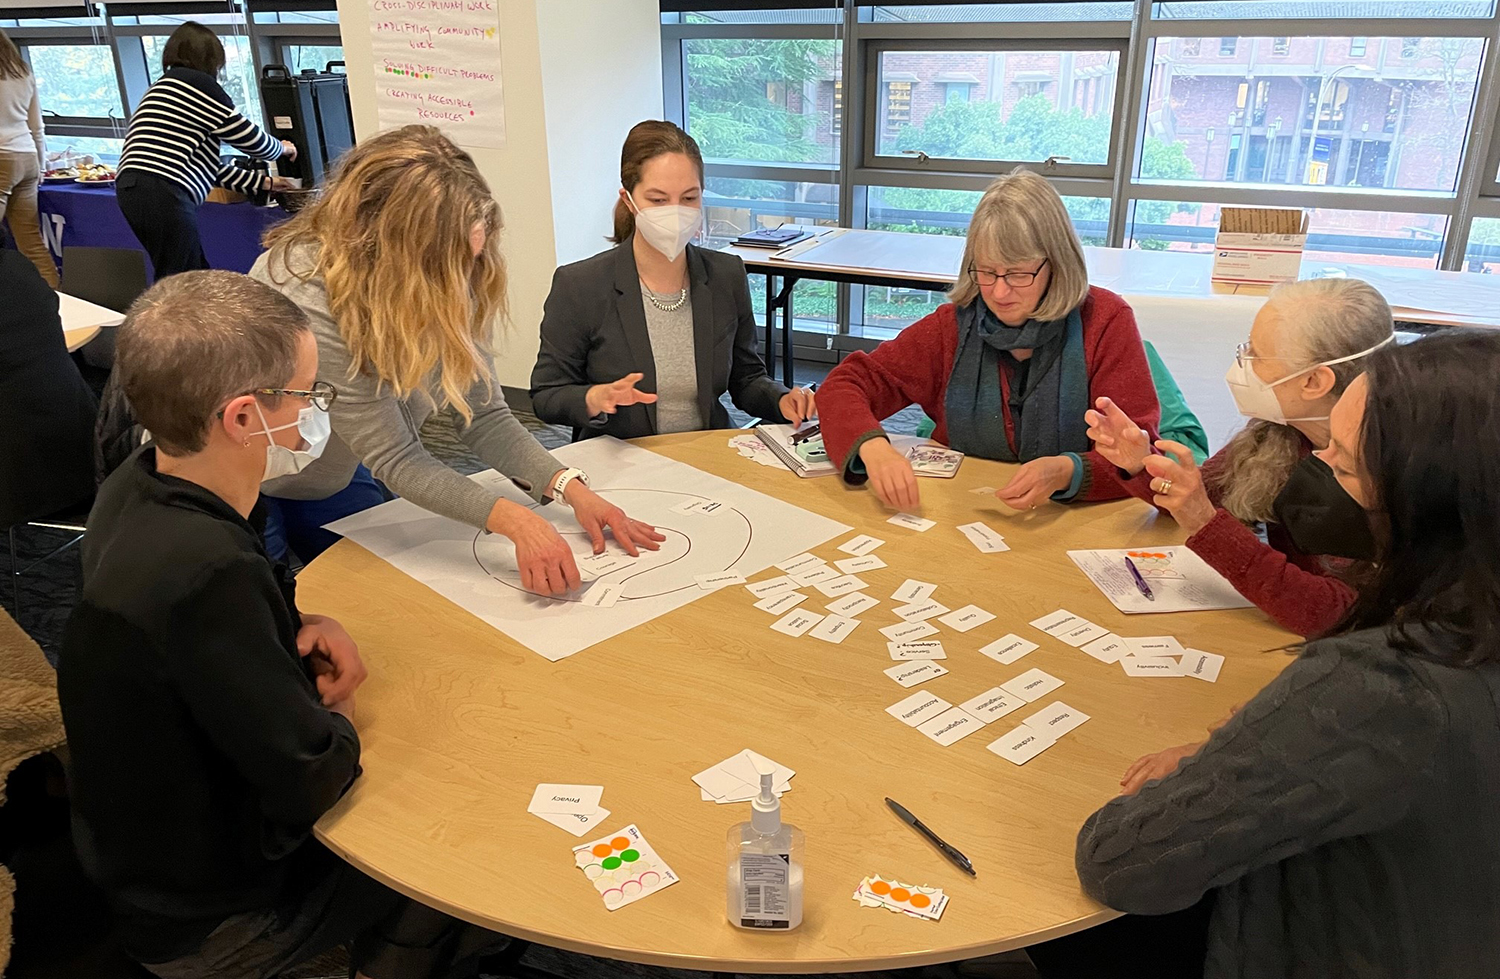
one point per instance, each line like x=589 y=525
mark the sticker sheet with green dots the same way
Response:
x=623 y=868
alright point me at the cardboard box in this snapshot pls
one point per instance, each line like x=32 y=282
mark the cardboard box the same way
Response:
x=1260 y=245
x=1257 y=259
x=220 y=195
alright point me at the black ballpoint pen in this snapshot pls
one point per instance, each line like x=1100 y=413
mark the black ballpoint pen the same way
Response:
x=920 y=827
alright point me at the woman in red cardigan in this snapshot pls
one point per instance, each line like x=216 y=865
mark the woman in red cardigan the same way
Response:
x=1306 y=345
x=1007 y=369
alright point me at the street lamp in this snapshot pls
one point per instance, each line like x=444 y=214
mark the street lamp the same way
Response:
x=1312 y=143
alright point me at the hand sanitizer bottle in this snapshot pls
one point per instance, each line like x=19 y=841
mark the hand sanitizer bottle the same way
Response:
x=765 y=864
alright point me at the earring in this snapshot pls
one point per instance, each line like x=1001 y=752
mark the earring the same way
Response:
x=247 y=443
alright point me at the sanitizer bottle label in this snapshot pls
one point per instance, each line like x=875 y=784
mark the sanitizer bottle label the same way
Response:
x=765 y=887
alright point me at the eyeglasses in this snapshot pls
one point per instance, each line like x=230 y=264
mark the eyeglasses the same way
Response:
x=1242 y=355
x=1016 y=280
x=322 y=395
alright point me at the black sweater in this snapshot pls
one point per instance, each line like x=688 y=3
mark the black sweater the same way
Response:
x=1348 y=819
x=46 y=409
x=201 y=755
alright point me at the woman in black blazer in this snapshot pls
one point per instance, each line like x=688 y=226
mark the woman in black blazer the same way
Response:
x=644 y=338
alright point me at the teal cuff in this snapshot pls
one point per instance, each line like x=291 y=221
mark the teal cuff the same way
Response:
x=854 y=467
x=1076 y=483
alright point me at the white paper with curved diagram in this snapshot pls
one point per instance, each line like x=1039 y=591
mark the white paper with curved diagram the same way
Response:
x=477 y=571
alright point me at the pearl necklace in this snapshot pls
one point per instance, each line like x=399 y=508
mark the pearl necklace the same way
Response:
x=670 y=307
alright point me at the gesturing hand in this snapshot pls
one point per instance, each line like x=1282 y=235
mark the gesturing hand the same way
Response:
x=890 y=475
x=333 y=656
x=594 y=514
x=606 y=399
x=1116 y=437
x=1178 y=485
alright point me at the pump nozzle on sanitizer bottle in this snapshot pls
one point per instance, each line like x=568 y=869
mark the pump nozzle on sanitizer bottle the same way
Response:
x=765 y=864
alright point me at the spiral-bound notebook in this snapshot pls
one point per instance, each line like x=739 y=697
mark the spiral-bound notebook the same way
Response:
x=928 y=457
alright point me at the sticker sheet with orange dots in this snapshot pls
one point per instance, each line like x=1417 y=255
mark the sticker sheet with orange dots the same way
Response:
x=623 y=868
x=1155 y=565
x=919 y=902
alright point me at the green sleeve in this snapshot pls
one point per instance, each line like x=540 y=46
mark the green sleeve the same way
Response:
x=1178 y=423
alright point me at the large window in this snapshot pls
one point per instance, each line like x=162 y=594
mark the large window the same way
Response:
x=1321 y=116
x=1335 y=235
x=1366 y=117
x=997 y=104
x=76 y=79
x=763 y=100
x=301 y=57
x=92 y=71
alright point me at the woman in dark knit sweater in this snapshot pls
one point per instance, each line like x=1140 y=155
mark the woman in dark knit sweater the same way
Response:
x=1346 y=821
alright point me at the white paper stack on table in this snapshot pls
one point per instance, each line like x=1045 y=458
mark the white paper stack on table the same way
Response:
x=1179 y=580
x=1160 y=656
x=735 y=779
x=574 y=808
x=752 y=448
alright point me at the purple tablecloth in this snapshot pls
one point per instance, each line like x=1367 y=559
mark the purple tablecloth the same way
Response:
x=76 y=214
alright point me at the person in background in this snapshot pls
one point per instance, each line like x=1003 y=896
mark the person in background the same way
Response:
x=46 y=407
x=1306 y=345
x=23 y=155
x=644 y=339
x=1023 y=343
x=171 y=156
x=210 y=723
x=397 y=264
x=1346 y=821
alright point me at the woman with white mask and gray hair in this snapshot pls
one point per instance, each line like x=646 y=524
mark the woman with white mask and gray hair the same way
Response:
x=1306 y=345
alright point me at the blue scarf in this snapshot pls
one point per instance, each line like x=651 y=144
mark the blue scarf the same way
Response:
x=1052 y=403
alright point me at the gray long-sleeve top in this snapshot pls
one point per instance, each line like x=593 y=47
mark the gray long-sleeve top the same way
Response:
x=1348 y=819
x=373 y=426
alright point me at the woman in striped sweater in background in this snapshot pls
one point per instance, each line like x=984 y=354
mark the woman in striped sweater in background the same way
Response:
x=171 y=157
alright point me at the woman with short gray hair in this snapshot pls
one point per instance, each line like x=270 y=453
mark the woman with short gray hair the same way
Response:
x=1306 y=345
x=1001 y=369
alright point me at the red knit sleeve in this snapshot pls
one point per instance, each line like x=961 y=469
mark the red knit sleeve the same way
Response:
x=1301 y=601
x=1117 y=369
x=910 y=368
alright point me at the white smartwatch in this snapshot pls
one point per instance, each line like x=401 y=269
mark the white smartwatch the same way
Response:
x=563 y=479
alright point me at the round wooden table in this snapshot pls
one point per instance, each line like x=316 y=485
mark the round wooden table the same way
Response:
x=459 y=723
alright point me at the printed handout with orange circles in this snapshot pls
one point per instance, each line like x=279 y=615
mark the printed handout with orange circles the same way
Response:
x=718 y=533
x=1179 y=580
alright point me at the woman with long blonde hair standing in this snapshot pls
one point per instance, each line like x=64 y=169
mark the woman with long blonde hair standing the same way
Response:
x=22 y=156
x=398 y=266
